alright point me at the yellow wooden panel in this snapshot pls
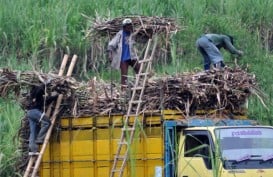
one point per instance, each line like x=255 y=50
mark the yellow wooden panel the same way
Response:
x=154 y=132
x=133 y=118
x=154 y=149
x=103 y=121
x=45 y=172
x=82 y=122
x=117 y=121
x=82 y=150
x=84 y=134
x=137 y=149
x=103 y=171
x=115 y=133
x=103 y=149
x=46 y=156
x=152 y=120
x=64 y=122
x=65 y=153
x=154 y=165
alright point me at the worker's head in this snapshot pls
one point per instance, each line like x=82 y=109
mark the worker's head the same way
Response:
x=127 y=24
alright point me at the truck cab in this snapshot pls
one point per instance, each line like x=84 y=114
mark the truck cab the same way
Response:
x=229 y=149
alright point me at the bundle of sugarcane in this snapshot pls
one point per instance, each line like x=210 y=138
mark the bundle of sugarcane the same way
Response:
x=223 y=89
x=144 y=25
x=93 y=98
x=20 y=83
x=226 y=89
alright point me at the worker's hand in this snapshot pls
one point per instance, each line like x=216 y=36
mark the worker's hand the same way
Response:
x=240 y=53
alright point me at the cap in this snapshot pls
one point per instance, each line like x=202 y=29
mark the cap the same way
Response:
x=126 y=21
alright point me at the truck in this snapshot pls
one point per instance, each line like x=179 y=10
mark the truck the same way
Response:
x=166 y=144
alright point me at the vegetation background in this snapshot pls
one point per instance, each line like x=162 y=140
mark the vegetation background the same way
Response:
x=35 y=34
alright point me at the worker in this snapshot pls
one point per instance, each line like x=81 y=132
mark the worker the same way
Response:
x=121 y=51
x=209 y=46
x=36 y=116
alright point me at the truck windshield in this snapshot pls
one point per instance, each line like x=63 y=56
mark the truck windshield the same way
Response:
x=244 y=144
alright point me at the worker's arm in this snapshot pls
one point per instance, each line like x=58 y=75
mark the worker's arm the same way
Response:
x=230 y=47
x=113 y=45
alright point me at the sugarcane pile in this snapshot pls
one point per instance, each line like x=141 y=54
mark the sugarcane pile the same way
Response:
x=226 y=89
x=144 y=25
x=103 y=29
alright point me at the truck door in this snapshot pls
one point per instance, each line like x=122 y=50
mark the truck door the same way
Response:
x=195 y=156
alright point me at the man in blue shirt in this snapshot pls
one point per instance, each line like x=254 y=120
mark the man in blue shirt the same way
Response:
x=122 y=53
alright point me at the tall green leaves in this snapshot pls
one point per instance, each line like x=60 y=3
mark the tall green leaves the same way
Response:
x=10 y=123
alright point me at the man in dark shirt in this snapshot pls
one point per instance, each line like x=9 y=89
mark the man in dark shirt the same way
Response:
x=36 y=115
x=209 y=46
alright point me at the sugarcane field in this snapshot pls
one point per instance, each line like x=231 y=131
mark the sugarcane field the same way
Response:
x=182 y=90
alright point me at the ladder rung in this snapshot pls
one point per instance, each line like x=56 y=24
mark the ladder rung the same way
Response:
x=116 y=170
x=142 y=74
x=136 y=101
x=123 y=142
x=133 y=115
x=120 y=157
x=137 y=88
x=33 y=153
x=128 y=129
x=145 y=60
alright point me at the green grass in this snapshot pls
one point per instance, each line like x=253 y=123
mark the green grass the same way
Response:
x=34 y=34
x=10 y=118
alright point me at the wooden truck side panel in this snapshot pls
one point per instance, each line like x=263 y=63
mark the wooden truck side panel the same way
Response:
x=85 y=147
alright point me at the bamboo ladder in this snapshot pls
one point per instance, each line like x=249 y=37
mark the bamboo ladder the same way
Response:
x=35 y=160
x=128 y=131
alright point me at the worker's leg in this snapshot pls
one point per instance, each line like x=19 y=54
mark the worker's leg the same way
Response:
x=33 y=118
x=205 y=58
x=123 y=71
x=45 y=123
x=213 y=53
x=200 y=44
x=210 y=49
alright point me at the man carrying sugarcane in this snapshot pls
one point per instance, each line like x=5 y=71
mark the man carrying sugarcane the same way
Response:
x=36 y=116
x=209 y=46
x=122 y=53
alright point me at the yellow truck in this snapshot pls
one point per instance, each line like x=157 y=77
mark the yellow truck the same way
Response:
x=165 y=145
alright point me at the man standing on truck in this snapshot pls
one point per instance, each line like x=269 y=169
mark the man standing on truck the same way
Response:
x=36 y=116
x=122 y=53
x=209 y=46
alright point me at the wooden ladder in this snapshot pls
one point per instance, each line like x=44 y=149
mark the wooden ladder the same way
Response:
x=134 y=105
x=35 y=160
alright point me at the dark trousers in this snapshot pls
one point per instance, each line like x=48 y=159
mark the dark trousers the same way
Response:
x=35 y=118
x=124 y=65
